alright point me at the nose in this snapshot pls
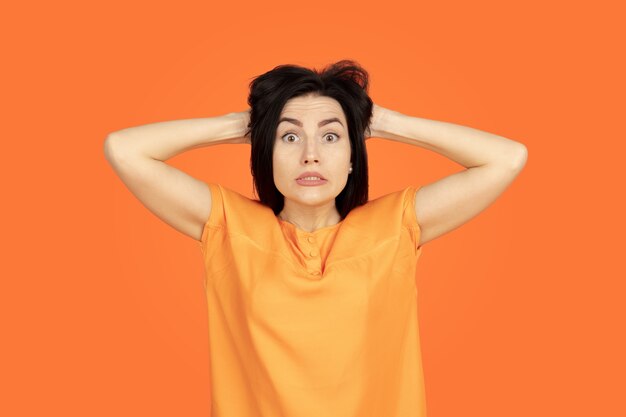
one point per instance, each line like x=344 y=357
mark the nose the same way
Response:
x=311 y=151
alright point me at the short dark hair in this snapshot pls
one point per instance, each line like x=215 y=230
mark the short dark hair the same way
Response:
x=345 y=81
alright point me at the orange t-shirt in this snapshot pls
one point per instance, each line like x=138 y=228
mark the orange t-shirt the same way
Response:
x=312 y=324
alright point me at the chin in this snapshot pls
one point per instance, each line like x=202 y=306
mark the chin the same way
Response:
x=312 y=197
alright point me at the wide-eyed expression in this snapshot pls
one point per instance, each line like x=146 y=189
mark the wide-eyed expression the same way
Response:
x=312 y=135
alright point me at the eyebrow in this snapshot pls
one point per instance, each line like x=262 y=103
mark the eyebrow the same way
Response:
x=299 y=123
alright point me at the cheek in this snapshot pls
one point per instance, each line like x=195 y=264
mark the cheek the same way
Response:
x=279 y=168
x=280 y=152
x=342 y=156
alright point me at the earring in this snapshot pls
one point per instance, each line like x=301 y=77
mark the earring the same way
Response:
x=350 y=170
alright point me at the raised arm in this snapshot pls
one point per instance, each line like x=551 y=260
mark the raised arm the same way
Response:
x=492 y=164
x=138 y=155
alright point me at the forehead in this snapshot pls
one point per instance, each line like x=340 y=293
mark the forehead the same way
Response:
x=312 y=106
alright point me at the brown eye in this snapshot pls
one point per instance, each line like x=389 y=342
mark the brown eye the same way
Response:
x=332 y=134
x=286 y=135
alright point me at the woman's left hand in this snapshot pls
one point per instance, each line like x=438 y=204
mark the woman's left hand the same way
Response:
x=375 y=124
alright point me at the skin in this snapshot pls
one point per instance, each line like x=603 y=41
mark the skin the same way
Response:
x=324 y=149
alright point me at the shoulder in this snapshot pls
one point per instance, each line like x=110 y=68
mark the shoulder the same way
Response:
x=236 y=211
x=385 y=223
x=395 y=202
x=388 y=211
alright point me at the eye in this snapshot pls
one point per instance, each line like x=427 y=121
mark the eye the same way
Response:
x=287 y=135
x=333 y=134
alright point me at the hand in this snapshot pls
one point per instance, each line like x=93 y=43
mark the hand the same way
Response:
x=245 y=115
x=375 y=124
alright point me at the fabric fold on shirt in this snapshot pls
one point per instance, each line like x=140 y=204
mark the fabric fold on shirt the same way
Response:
x=309 y=324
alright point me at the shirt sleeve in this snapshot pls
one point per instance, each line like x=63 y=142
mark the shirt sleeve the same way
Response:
x=216 y=217
x=409 y=216
x=233 y=213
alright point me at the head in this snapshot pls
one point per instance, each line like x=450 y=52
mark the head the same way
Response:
x=283 y=150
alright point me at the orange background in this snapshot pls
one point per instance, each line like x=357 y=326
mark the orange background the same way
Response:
x=521 y=309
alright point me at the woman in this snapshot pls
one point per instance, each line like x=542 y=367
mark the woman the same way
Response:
x=311 y=289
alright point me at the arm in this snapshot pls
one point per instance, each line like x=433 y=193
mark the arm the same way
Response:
x=492 y=162
x=164 y=140
x=138 y=155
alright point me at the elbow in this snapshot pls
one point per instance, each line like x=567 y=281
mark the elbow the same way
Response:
x=520 y=156
x=110 y=143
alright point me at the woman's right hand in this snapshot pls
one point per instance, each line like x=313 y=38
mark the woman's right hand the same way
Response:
x=245 y=115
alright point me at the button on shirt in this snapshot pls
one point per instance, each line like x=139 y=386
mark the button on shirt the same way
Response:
x=311 y=324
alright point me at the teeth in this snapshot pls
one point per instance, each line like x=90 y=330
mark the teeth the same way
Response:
x=310 y=178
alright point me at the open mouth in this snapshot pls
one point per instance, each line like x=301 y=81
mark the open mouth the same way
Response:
x=311 y=181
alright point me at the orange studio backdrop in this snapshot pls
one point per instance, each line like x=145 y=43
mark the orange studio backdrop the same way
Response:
x=521 y=310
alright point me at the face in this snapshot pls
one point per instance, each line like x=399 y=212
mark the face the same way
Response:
x=316 y=145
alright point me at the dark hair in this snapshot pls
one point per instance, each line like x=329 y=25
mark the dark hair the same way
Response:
x=345 y=81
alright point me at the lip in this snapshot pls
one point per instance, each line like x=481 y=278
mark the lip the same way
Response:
x=311 y=174
x=309 y=183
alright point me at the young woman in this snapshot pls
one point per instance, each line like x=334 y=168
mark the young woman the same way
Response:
x=311 y=288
